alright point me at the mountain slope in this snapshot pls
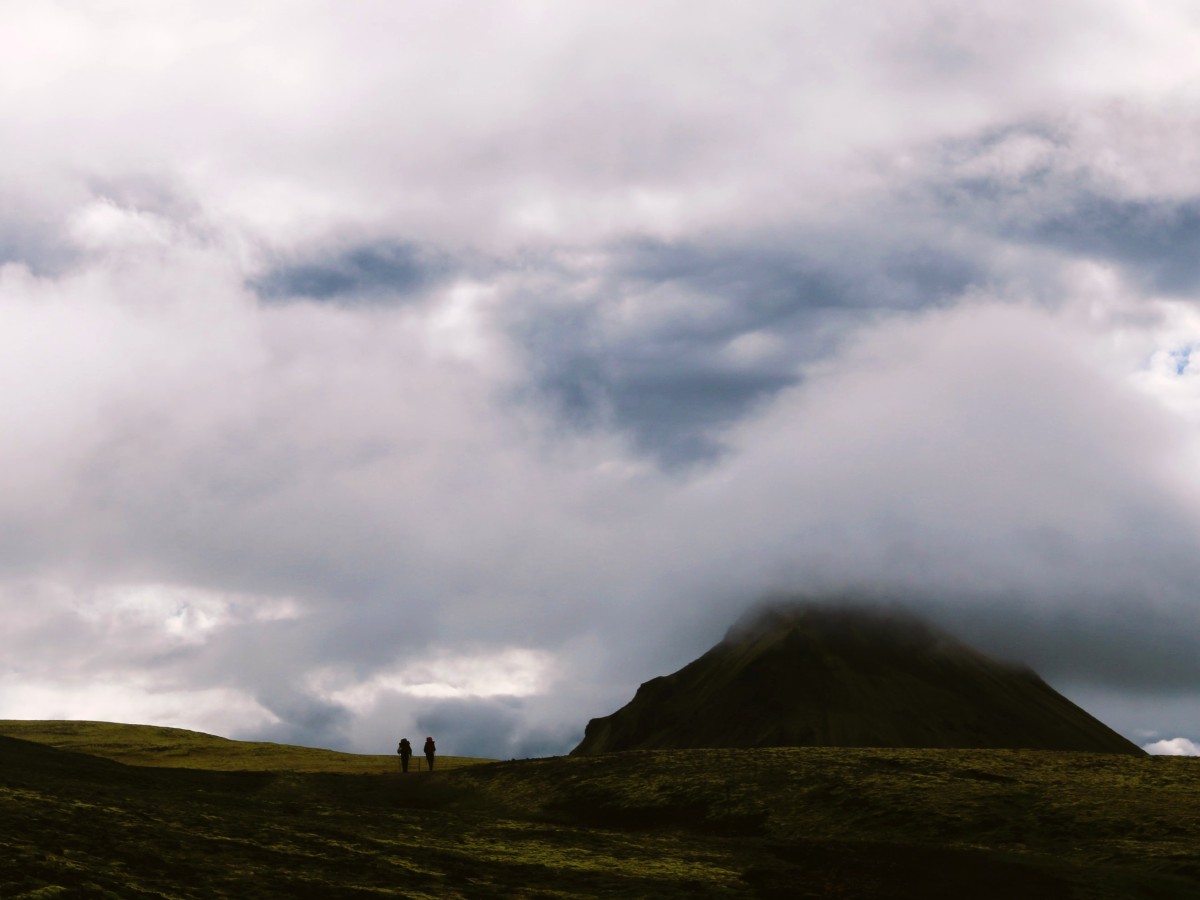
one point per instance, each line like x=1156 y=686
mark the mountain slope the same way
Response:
x=812 y=675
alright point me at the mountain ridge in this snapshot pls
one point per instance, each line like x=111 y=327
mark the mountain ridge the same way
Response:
x=812 y=674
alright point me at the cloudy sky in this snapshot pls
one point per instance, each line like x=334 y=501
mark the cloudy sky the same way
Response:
x=377 y=368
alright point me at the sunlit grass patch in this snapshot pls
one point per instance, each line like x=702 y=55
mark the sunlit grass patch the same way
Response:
x=162 y=747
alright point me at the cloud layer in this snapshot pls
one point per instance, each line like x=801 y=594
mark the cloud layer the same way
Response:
x=452 y=370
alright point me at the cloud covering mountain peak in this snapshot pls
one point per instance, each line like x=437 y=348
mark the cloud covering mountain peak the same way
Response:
x=339 y=342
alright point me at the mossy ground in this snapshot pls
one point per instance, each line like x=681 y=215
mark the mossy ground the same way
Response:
x=754 y=823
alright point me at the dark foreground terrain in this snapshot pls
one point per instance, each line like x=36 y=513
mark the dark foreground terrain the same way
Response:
x=813 y=822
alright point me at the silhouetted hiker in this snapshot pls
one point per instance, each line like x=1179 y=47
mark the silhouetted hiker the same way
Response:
x=430 y=750
x=405 y=750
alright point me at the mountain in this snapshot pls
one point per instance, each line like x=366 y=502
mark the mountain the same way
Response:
x=810 y=675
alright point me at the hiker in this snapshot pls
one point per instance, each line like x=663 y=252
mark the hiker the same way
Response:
x=405 y=750
x=430 y=750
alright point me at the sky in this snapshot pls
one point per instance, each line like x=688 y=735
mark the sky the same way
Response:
x=380 y=369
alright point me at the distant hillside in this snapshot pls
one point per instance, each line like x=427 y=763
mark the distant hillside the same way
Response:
x=805 y=675
x=179 y=748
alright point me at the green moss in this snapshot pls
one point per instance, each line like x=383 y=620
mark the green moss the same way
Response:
x=779 y=822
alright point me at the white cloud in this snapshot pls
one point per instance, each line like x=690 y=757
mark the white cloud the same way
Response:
x=509 y=672
x=204 y=494
x=991 y=449
x=1179 y=746
x=505 y=124
x=219 y=711
x=962 y=436
x=103 y=225
x=185 y=614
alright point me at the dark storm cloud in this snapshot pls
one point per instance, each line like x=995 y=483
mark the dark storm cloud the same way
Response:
x=1158 y=242
x=376 y=272
x=670 y=392
x=758 y=285
x=304 y=719
x=1129 y=645
x=38 y=245
x=466 y=727
x=774 y=284
x=492 y=727
x=1125 y=639
x=1059 y=198
x=674 y=411
x=676 y=381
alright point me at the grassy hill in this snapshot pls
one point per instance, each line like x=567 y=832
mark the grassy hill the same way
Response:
x=793 y=822
x=151 y=745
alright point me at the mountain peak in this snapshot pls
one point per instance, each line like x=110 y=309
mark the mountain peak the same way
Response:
x=825 y=674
